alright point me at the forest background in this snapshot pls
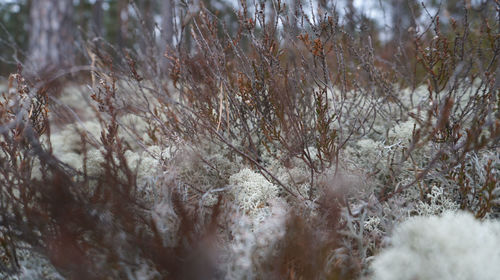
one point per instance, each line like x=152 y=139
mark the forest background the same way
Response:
x=388 y=22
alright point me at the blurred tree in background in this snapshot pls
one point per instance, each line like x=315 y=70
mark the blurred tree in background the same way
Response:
x=51 y=35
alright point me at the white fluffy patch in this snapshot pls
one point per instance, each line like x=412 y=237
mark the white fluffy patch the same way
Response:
x=454 y=246
x=251 y=190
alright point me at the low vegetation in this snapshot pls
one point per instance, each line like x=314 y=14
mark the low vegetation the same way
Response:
x=269 y=152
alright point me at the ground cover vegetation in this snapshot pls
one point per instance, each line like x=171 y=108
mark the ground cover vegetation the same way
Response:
x=292 y=144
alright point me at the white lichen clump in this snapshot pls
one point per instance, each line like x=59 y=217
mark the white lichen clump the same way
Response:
x=33 y=266
x=438 y=203
x=250 y=246
x=454 y=246
x=252 y=191
x=403 y=131
x=68 y=139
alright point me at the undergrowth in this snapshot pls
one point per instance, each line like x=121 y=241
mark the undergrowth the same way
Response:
x=288 y=149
